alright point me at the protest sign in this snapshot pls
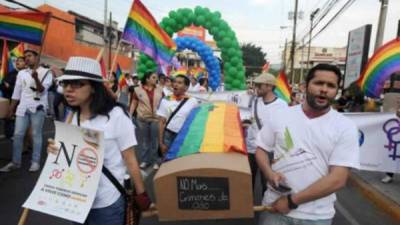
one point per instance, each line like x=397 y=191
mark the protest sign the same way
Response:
x=68 y=182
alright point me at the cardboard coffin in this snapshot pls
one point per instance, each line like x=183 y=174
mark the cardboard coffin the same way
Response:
x=4 y=105
x=204 y=186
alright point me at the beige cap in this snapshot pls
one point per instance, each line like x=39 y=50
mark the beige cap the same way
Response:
x=265 y=78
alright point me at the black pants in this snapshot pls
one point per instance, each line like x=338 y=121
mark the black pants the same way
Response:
x=254 y=169
x=58 y=99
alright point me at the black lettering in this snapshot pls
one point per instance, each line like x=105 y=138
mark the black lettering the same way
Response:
x=64 y=150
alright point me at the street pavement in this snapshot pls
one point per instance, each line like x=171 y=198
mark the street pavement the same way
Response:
x=352 y=208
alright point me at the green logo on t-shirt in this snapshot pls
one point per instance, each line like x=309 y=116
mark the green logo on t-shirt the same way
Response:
x=288 y=140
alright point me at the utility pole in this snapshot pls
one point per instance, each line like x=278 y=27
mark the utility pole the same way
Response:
x=310 y=37
x=398 y=29
x=302 y=60
x=293 y=47
x=381 y=24
x=284 y=55
x=110 y=42
x=105 y=30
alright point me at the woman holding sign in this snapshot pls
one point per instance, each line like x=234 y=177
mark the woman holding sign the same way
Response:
x=94 y=108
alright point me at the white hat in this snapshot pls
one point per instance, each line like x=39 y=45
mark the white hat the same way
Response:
x=265 y=78
x=82 y=68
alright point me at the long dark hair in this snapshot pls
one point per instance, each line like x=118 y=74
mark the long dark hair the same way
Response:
x=102 y=102
x=146 y=76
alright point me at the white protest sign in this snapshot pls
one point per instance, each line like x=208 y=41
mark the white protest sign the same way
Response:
x=379 y=138
x=68 y=182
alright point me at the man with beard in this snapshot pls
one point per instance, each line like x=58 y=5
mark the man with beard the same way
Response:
x=314 y=148
x=265 y=105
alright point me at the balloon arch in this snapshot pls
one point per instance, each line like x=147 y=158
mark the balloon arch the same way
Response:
x=206 y=54
x=223 y=35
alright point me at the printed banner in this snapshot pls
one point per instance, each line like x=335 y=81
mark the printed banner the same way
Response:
x=379 y=136
x=241 y=98
x=68 y=182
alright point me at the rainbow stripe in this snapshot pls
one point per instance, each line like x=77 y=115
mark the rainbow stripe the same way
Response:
x=4 y=58
x=211 y=127
x=26 y=27
x=181 y=71
x=282 y=89
x=384 y=62
x=120 y=77
x=143 y=32
x=14 y=54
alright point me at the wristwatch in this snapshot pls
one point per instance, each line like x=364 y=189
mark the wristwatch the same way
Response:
x=291 y=204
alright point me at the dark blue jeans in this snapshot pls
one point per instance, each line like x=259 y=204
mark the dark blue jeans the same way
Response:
x=110 y=215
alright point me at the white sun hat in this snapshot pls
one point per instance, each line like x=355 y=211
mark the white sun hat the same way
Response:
x=82 y=68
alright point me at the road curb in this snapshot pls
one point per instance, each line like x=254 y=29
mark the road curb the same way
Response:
x=379 y=199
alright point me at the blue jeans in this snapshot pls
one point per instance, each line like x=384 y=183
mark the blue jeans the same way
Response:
x=110 y=215
x=36 y=120
x=148 y=140
x=267 y=218
x=169 y=138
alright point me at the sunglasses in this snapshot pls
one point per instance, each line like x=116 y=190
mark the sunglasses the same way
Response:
x=74 y=84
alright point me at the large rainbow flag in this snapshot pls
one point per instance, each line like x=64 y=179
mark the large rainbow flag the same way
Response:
x=282 y=89
x=26 y=27
x=384 y=62
x=4 y=58
x=209 y=128
x=143 y=32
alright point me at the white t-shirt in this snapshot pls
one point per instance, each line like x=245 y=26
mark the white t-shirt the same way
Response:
x=168 y=106
x=264 y=111
x=119 y=135
x=304 y=149
x=194 y=88
x=26 y=95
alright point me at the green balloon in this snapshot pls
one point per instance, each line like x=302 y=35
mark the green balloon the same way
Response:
x=236 y=83
x=213 y=31
x=200 y=20
x=235 y=61
x=172 y=14
x=191 y=17
x=221 y=35
x=198 y=11
x=217 y=14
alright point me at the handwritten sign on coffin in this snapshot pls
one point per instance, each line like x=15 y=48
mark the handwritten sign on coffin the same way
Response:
x=204 y=186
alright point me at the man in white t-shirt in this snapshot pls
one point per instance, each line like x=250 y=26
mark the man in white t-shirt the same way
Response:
x=30 y=94
x=172 y=117
x=314 y=146
x=265 y=105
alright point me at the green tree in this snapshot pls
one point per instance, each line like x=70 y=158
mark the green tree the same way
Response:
x=253 y=58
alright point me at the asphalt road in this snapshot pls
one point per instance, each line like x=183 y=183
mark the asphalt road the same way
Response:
x=351 y=208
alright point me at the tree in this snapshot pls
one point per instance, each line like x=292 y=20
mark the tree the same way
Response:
x=253 y=58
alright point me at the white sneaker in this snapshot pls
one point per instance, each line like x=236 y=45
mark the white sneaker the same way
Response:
x=143 y=165
x=9 y=167
x=34 y=167
x=156 y=166
x=387 y=179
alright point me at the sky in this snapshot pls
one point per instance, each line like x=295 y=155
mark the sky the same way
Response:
x=262 y=22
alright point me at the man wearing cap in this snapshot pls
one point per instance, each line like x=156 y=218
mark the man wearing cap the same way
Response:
x=30 y=92
x=266 y=104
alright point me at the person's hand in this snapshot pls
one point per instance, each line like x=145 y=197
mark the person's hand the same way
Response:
x=281 y=205
x=52 y=147
x=163 y=148
x=276 y=178
x=7 y=85
x=35 y=74
x=10 y=113
x=143 y=201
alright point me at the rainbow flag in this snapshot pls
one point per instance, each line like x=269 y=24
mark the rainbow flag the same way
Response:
x=143 y=32
x=4 y=58
x=282 y=89
x=120 y=77
x=384 y=62
x=18 y=51
x=180 y=71
x=211 y=127
x=26 y=27
x=103 y=68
